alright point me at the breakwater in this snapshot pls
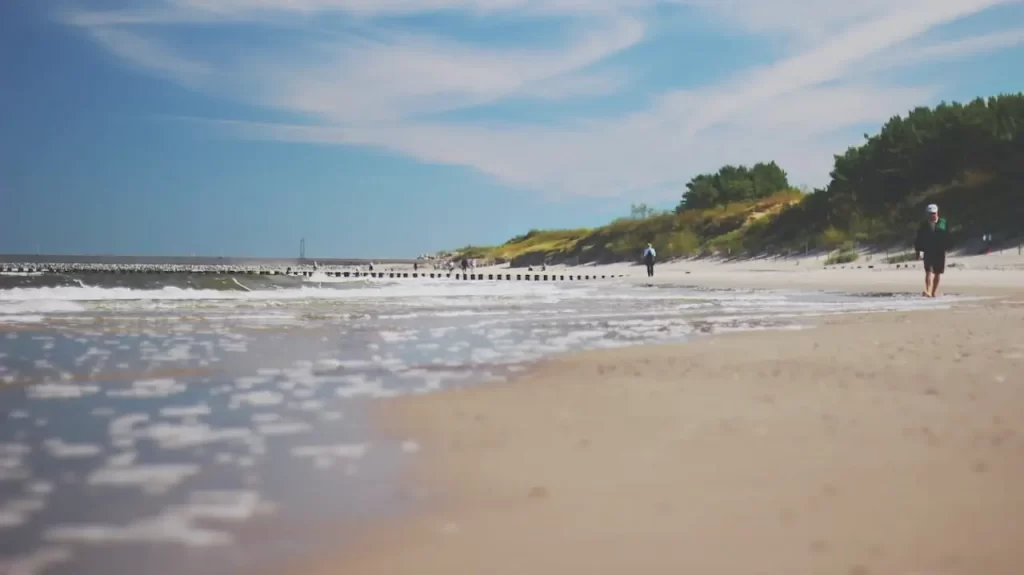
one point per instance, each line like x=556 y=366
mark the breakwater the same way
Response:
x=45 y=268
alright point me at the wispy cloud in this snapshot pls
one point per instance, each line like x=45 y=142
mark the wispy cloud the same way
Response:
x=954 y=49
x=402 y=76
x=150 y=55
x=375 y=83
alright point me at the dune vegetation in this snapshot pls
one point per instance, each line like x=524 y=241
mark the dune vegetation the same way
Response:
x=968 y=158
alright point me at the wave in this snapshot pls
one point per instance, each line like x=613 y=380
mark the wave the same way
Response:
x=74 y=298
x=38 y=306
x=143 y=281
x=439 y=296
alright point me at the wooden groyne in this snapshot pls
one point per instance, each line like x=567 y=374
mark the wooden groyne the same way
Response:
x=156 y=269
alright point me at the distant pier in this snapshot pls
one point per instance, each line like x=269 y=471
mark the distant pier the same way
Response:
x=271 y=270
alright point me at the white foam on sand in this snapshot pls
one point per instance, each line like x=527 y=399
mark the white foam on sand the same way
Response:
x=61 y=450
x=153 y=478
x=60 y=390
x=175 y=411
x=325 y=456
x=122 y=459
x=359 y=385
x=256 y=399
x=184 y=435
x=150 y=388
x=177 y=524
x=121 y=427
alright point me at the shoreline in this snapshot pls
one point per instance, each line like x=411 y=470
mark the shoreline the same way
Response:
x=997 y=274
x=700 y=456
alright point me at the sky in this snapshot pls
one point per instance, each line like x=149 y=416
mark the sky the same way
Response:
x=392 y=128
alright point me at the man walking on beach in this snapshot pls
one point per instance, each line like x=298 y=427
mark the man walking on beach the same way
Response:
x=933 y=241
x=649 y=254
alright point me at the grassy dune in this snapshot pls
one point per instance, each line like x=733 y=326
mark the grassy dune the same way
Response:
x=715 y=231
x=968 y=158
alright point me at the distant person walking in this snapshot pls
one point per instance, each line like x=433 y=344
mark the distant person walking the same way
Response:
x=649 y=255
x=933 y=242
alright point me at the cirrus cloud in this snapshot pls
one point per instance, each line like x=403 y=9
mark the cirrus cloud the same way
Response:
x=364 y=73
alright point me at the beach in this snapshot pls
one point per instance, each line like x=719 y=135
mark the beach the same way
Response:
x=874 y=443
x=996 y=274
x=765 y=417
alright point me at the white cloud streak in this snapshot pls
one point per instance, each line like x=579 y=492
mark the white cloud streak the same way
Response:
x=150 y=55
x=953 y=50
x=408 y=76
x=386 y=88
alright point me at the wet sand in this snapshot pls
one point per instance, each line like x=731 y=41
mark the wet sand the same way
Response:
x=872 y=444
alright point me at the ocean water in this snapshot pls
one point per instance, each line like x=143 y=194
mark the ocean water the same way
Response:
x=214 y=427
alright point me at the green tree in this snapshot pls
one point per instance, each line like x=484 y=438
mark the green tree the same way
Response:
x=733 y=184
x=768 y=179
x=967 y=158
x=701 y=193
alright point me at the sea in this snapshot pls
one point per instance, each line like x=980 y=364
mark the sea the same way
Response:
x=175 y=423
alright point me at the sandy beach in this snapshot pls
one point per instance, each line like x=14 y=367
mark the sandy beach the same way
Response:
x=870 y=444
x=996 y=274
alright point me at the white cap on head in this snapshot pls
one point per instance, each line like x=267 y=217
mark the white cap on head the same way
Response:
x=932 y=209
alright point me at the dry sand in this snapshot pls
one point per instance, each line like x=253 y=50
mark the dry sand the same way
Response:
x=872 y=444
x=995 y=274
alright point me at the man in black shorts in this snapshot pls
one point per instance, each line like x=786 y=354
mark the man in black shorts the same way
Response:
x=933 y=241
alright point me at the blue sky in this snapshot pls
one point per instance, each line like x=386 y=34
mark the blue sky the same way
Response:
x=395 y=127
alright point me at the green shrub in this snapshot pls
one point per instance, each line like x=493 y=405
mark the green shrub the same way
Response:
x=679 y=243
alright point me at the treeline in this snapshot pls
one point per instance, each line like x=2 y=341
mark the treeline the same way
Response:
x=968 y=158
